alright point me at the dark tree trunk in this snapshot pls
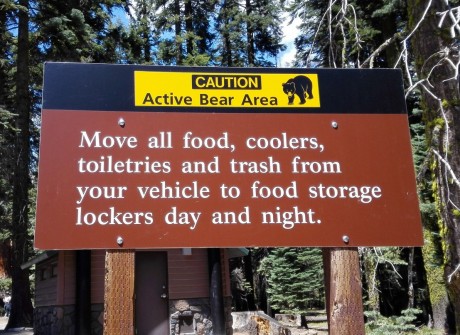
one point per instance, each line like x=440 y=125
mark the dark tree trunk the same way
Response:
x=249 y=275
x=83 y=292
x=410 y=279
x=178 y=32
x=22 y=311
x=216 y=298
x=189 y=25
x=249 y=34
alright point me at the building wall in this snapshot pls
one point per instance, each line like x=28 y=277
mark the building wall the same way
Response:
x=188 y=276
x=46 y=283
x=97 y=276
x=188 y=281
x=66 y=278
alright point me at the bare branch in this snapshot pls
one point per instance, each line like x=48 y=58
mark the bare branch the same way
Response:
x=454 y=15
x=457 y=269
x=448 y=167
x=383 y=46
x=419 y=21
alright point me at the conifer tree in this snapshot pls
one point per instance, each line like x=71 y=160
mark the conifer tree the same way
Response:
x=230 y=26
x=184 y=31
x=75 y=30
x=295 y=279
x=22 y=310
x=6 y=129
x=250 y=34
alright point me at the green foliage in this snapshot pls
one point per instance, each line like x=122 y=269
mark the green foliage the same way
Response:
x=395 y=325
x=5 y=285
x=295 y=279
x=250 y=34
x=75 y=31
x=7 y=131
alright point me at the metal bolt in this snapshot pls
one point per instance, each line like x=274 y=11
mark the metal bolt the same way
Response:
x=121 y=122
x=334 y=125
x=345 y=239
x=120 y=240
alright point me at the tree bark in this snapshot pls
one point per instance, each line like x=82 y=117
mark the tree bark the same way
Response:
x=372 y=283
x=188 y=13
x=216 y=298
x=433 y=47
x=249 y=34
x=178 y=32
x=119 y=292
x=21 y=302
x=410 y=279
x=344 y=302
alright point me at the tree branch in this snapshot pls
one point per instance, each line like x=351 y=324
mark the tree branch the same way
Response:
x=383 y=46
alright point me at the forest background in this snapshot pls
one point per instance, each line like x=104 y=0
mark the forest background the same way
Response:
x=418 y=36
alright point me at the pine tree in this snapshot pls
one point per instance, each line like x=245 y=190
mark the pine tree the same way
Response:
x=295 y=279
x=22 y=310
x=250 y=33
x=230 y=26
x=184 y=33
x=263 y=29
x=75 y=30
x=139 y=41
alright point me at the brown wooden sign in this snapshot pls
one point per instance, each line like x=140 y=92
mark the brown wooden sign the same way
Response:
x=336 y=171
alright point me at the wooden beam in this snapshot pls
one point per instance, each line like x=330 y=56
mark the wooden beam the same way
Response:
x=344 y=301
x=119 y=292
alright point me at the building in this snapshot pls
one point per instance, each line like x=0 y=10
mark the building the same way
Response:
x=172 y=291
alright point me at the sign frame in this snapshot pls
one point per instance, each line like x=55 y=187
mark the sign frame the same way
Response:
x=341 y=161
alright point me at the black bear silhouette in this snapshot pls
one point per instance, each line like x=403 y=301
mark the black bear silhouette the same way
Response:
x=300 y=86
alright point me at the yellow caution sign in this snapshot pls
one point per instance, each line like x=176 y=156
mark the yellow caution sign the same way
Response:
x=254 y=90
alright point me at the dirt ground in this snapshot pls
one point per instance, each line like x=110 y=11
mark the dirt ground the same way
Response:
x=315 y=329
x=257 y=322
x=297 y=331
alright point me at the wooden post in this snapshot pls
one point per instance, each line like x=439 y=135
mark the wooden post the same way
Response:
x=119 y=292
x=344 y=301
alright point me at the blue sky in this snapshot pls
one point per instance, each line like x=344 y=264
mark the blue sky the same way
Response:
x=290 y=32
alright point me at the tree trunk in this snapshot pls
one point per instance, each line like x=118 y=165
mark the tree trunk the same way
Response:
x=344 y=302
x=372 y=283
x=22 y=311
x=432 y=48
x=188 y=13
x=178 y=32
x=227 y=59
x=216 y=298
x=3 y=51
x=410 y=279
x=119 y=292
x=249 y=34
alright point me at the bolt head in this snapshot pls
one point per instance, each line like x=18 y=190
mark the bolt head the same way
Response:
x=120 y=240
